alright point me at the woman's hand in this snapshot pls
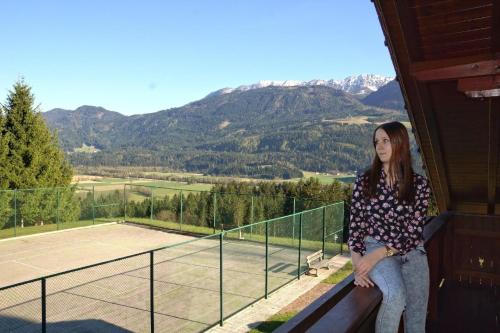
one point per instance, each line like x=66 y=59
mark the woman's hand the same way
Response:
x=368 y=261
x=362 y=280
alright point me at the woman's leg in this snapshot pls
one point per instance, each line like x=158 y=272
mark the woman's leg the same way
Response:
x=387 y=276
x=415 y=272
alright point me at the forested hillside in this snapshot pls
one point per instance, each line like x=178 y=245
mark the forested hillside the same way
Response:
x=263 y=133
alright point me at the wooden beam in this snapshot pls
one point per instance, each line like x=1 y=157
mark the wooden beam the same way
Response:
x=408 y=22
x=495 y=31
x=494 y=128
x=423 y=121
x=472 y=69
x=425 y=107
x=436 y=64
x=479 y=83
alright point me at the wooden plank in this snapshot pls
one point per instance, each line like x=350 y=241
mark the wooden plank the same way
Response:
x=470 y=276
x=496 y=27
x=419 y=66
x=467 y=25
x=473 y=69
x=458 y=8
x=479 y=83
x=470 y=207
x=350 y=312
x=448 y=50
x=313 y=312
x=408 y=23
x=438 y=7
x=456 y=36
x=456 y=17
x=493 y=133
x=426 y=108
x=457 y=53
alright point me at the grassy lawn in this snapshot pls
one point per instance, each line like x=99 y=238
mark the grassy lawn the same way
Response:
x=323 y=178
x=30 y=230
x=340 y=274
x=326 y=179
x=273 y=322
x=134 y=193
x=172 y=225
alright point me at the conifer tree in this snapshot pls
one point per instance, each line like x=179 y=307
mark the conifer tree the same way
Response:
x=34 y=158
x=5 y=196
x=31 y=158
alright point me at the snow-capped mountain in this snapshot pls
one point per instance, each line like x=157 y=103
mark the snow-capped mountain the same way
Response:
x=356 y=84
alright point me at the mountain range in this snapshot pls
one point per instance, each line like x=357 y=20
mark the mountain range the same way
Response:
x=357 y=85
x=271 y=131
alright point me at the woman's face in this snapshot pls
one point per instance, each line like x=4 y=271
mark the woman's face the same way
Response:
x=383 y=146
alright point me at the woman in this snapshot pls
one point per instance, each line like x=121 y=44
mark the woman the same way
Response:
x=388 y=208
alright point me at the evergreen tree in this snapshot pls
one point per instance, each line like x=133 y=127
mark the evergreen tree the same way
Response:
x=6 y=197
x=30 y=157
x=33 y=157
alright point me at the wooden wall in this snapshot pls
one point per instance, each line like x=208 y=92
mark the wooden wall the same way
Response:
x=472 y=249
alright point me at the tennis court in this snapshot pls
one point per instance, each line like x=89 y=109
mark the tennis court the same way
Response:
x=43 y=254
x=185 y=279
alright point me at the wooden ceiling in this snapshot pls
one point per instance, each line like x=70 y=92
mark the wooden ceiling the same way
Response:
x=447 y=58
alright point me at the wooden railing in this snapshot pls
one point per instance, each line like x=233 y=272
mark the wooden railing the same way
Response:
x=347 y=308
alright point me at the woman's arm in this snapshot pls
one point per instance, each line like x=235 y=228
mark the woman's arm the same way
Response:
x=357 y=220
x=422 y=196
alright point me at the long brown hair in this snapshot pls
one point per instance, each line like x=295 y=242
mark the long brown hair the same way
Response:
x=400 y=164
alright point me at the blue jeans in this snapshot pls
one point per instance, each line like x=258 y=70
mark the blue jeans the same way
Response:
x=404 y=282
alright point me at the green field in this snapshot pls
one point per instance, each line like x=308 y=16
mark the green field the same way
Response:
x=160 y=188
x=328 y=179
x=106 y=181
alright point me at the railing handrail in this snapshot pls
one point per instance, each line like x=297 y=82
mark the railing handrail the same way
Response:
x=347 y=306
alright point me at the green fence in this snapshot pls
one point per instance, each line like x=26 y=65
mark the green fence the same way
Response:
x=30 y=211
x=180 y=209
x=186 y=287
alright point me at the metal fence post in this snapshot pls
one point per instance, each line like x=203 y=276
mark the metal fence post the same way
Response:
x=293 y=224
x=57 y=210
x=151 y=290
x=342 y=232
x=124 y=202
x=324 y=231
x=151 y=206
x=182 y=212
x=300 y=244
x=221 y=238
x=44 y=306
x=93 y=204
x=215 y=207
x=267 y=259
x=251 y=218
x=15 y=212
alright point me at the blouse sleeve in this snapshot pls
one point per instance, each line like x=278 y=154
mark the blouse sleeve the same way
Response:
x=422 y=197
x=357 y=223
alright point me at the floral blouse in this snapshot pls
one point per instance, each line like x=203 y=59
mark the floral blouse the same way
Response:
x=386 y=219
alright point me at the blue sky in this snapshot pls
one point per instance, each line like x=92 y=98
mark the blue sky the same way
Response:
x=145 y=56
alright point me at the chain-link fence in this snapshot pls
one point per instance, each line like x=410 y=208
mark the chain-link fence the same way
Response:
x=186 y=287
x=30 y=211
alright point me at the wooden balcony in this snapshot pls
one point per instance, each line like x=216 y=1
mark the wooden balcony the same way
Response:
x=463 y=285
x=446 y=54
